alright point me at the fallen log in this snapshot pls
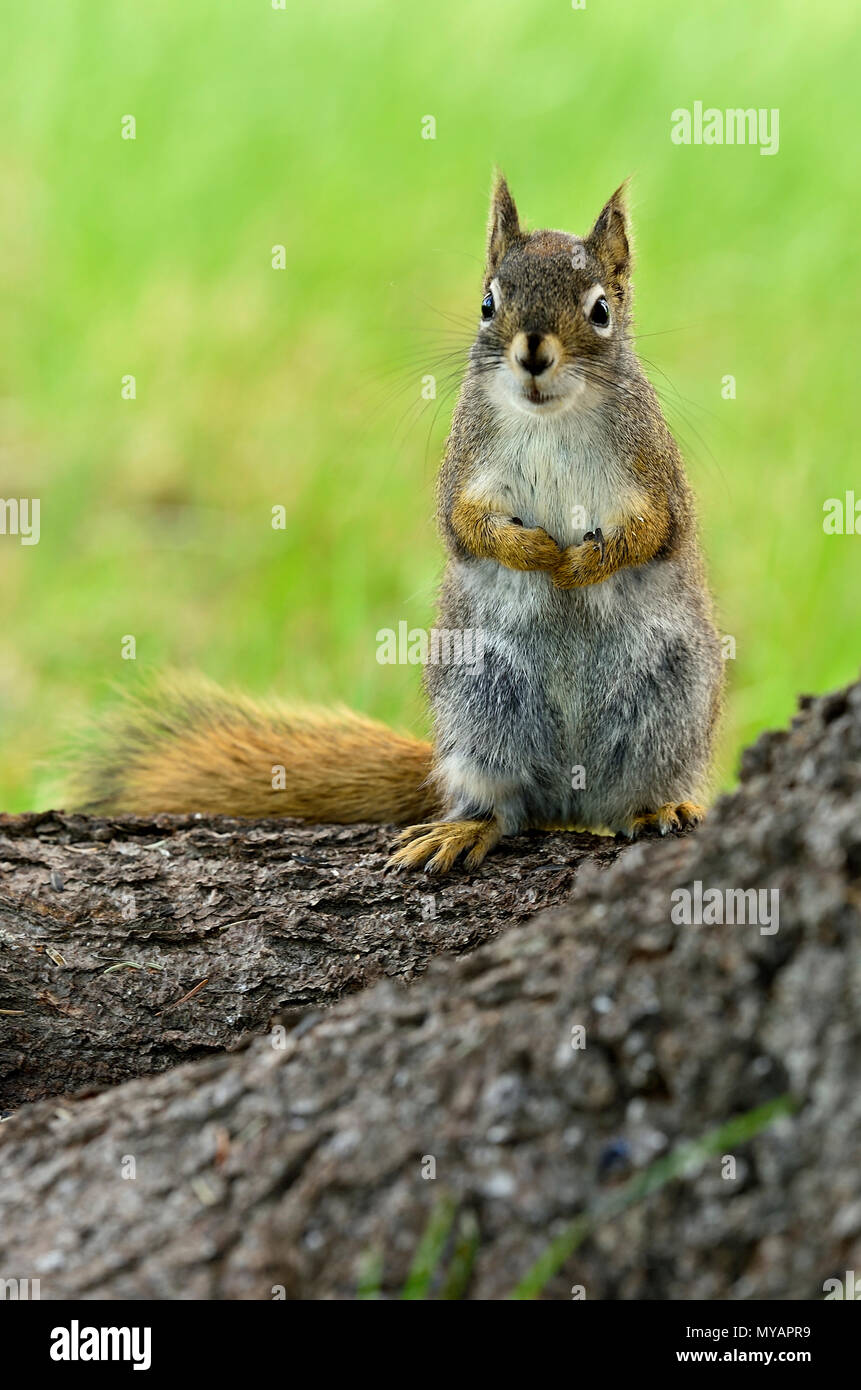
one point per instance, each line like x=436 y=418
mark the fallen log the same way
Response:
x=127 y=946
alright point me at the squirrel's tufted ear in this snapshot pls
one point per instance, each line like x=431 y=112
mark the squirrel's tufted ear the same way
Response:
x=503 y=227
x=609 y=241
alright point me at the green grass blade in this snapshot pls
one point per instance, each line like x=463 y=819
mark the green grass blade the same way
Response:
x=680 y=1160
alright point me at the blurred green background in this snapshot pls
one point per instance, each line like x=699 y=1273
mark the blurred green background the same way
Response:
x=302 y=387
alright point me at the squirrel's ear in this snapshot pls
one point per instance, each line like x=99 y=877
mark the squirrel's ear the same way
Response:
x=609 y=240
x=503 y=227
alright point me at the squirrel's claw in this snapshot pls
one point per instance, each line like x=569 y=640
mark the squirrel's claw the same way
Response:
x=598 y=537
x=672 y=816
x=436 y=847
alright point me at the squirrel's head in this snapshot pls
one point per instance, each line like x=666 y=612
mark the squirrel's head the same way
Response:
x=556 y=310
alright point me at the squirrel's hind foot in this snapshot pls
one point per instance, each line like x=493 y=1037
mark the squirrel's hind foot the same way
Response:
x=673 y=815
x=436 y=846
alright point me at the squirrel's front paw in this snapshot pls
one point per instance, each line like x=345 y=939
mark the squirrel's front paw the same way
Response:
x=581 y=564
x=528 y=548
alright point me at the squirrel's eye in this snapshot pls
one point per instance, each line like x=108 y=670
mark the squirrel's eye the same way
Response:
x=487 y=306
x=600 y=314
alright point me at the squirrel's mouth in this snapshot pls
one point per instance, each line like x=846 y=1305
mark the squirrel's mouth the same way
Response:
x=523 y=393
x=534 y=396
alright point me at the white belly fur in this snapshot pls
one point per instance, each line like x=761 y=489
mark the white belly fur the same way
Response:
x=558 y=474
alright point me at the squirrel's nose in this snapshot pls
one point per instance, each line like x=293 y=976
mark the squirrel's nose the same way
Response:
x=534 y=354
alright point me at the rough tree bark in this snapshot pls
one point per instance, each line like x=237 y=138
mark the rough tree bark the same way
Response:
x=127 y=946
x=293 y=1165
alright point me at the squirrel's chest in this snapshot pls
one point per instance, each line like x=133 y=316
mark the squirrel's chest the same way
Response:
x=566 y=484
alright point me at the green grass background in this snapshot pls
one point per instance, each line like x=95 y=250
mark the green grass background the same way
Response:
x=301 y=387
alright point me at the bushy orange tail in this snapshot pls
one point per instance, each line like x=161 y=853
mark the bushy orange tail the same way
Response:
x=193 y=747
